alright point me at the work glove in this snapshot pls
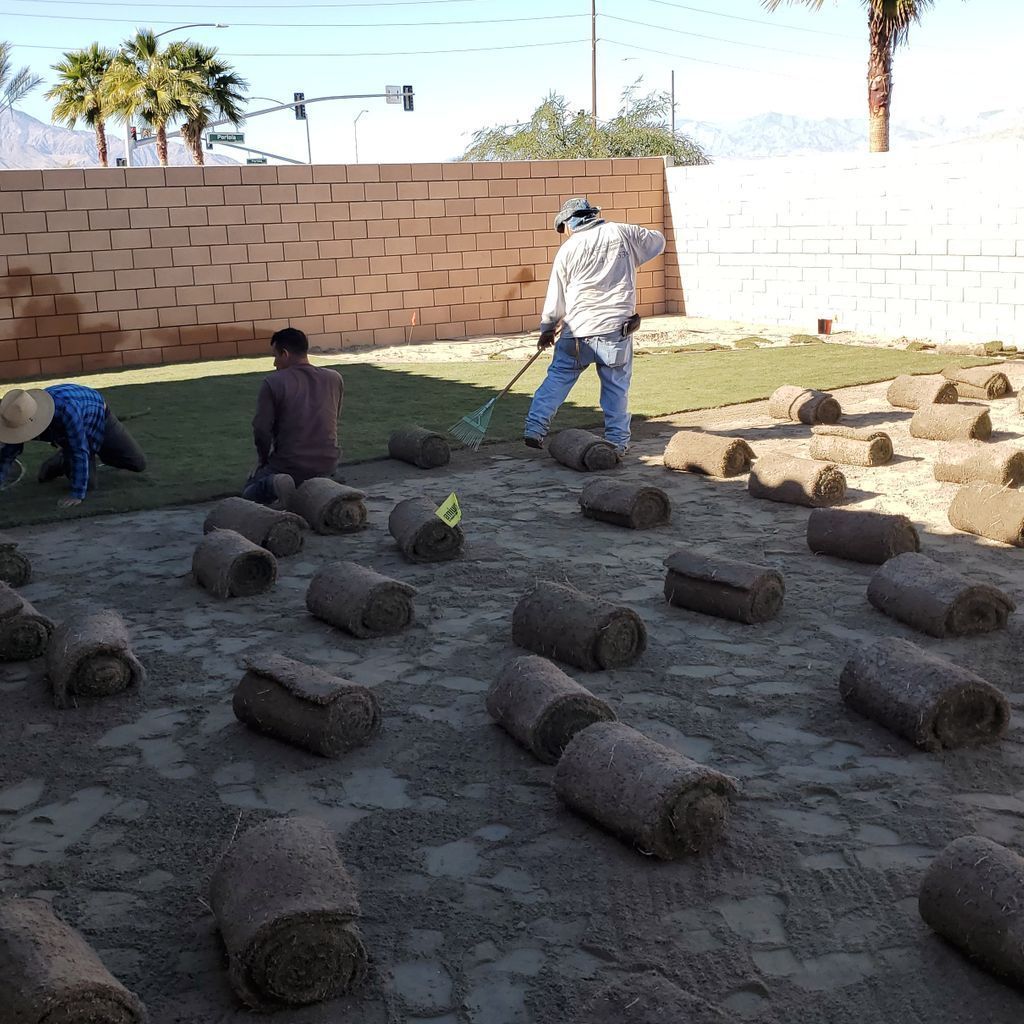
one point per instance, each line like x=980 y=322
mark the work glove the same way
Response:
x=546 y=340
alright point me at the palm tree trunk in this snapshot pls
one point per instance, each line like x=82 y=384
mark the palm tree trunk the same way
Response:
x=879 y=89
x=194 y=140
x=101 y=143
x=161 y=144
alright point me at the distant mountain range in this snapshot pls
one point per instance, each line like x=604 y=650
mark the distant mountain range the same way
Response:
x=28 y=143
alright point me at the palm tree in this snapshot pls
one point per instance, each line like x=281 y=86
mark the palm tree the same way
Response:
x=220 y=96
x=144 y=80
x=14 y=85
x=889 y=24
x=79 y=92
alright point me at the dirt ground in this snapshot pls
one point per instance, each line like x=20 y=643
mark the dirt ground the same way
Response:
x=485 y=901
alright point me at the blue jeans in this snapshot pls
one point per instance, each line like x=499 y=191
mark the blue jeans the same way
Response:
x=260 y=486
x=612 y=354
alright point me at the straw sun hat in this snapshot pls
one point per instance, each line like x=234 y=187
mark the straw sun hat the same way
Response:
x=24 y=415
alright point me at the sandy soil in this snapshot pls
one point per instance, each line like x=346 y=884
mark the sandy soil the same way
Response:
x=486 y=902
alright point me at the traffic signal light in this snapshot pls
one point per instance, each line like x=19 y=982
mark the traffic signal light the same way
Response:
x=407 y=97
x=300 y=108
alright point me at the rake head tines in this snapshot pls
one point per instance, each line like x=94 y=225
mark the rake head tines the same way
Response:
x=470 y=430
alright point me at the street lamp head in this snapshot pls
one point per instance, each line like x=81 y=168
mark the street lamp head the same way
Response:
x=221 y=24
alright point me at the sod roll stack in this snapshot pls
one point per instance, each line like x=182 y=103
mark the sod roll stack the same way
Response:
x=281 y=533
x=803 y=405
x=988 y=510
x=951 y=423
x=923 y=697
x=49 y=974
x=850 y=446
x=973 y=896
x=305 y=706
x=991 y=464
x=796 y=481
x=583 y=451
x=360 y=601
x=631 y=505
x=421 y=534
x=871 y=537
x=420 y=447
x=560 y=622
x=24 y=633
x=984 y=382
x=723 y=588
x=15 y=567
x=91 y=656
x=541 y=707
x=287 y=911
x=907 y=392
x=693 y=451
x=330 y=507
x=651 y=796
x=229 y=565
x=935 y=600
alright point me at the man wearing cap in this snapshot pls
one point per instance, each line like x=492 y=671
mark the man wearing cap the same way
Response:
x=75 y=420
x=592 y=293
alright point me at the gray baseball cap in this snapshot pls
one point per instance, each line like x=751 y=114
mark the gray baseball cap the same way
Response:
x=570 y=208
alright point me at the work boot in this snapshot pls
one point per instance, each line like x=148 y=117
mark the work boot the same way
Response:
x=284 y=491
x=52 y=468
x=533 y=442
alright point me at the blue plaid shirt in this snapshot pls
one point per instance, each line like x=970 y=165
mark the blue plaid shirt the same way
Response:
x=79 y=423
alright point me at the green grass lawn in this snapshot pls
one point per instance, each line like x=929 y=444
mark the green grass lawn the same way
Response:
x=193 y=421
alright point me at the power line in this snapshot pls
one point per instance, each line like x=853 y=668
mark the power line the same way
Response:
x=696 y=60
x=247 y=7
x=764 y=22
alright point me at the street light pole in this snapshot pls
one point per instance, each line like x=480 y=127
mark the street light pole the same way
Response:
x=673 y=105
x=127 y=120
x=593 y=62
x=355 y=131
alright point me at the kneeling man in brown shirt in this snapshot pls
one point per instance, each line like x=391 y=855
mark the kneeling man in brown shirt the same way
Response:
x=296 y=423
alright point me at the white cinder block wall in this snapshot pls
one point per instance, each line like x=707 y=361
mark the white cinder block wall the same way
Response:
x=927 y=243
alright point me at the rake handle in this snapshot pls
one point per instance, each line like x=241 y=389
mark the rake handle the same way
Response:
x=529 y=362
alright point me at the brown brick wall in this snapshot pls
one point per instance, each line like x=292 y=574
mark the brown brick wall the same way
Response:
x=119 y=267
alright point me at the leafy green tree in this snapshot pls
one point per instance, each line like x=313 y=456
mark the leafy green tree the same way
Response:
x=889 y=24
x=79 y=94
x=221 y=95
x=145 y=81
x=555 y=132
x=14 y=85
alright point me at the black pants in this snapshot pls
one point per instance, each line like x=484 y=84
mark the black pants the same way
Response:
x=118 y=450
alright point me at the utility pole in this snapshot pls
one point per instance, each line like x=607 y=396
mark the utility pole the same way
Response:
x=673 y=105
x=593 y=62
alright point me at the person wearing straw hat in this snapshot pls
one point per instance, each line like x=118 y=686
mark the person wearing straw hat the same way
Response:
x=75 y=420
x=592 y=293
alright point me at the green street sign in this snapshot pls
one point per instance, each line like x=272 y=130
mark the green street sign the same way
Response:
x=256 y=160
x=226 y=137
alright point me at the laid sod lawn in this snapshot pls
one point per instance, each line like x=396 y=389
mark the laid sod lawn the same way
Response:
x=193 y=421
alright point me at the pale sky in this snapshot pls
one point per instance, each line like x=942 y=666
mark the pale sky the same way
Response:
x=732 y=59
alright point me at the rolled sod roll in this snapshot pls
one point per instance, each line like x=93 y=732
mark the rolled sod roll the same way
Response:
x=922 y=697
x=850 y=446
x=287 y=911
x=24 y=633
x=631 y=505
x=329 y=507
x=723 y=588
x=541 y=707
x=228 y=565
x=281 y=533
x=907 y=392
x=422 y=535
x=15 y=568
x=971 y=896
x=49 y=974
x=796 y=481
x=951 y=423
x=647 y=794
x=978 y=381
x=583 y=451
x=91 y=656
x=560 y=622
x=991 y=464
x=935 y=600
x=692 y=451
x=802 y=405
x=304 y=705
x=424 y=448
x=988 y=510
x=360 y=601
x=871 y=537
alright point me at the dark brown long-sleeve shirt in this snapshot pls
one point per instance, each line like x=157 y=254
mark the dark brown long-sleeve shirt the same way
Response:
x=296 y=423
